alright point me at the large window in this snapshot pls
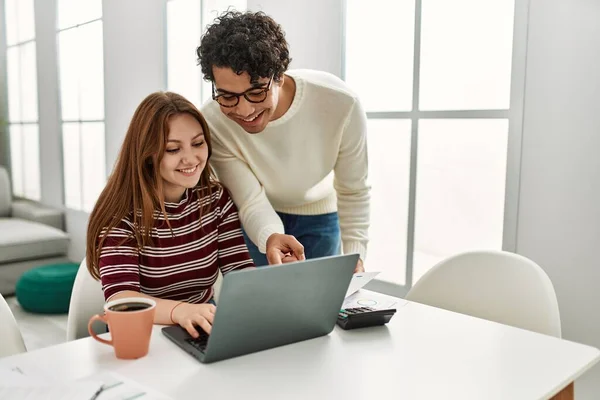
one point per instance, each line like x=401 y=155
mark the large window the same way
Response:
x=435 y=78
x=186 y=22
x=82 y=101
x=22 y=98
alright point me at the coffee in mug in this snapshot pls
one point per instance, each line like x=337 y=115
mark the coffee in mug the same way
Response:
x=132 y=306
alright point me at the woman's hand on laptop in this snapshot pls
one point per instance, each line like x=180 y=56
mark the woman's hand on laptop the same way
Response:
x=188 y=316
x=283 y=249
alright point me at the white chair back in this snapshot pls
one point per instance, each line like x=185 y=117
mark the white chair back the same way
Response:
x=12 y=341
x=493 y=285
x=87 y=299
x=217 y=286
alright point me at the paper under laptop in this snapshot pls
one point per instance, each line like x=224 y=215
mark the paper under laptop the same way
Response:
x=378 y=301
x=359 y=280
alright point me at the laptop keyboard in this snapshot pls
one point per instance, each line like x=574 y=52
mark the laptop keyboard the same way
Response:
x=200 y=342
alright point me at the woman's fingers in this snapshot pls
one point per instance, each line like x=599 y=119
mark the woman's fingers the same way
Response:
x=203 y=324
x=202 y=321
x=190 y=328
x=209 y=316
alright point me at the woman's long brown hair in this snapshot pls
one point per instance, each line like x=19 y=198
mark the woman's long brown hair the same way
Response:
x=135 y=182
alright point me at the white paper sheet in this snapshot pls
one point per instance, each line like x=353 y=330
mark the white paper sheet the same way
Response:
x=61 y=391
x=12 y=376
x=359 y=280
x=117 y=387
x=16 y=385
x=367 y=298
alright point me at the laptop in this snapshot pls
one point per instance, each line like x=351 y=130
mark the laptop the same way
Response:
x=271 y=306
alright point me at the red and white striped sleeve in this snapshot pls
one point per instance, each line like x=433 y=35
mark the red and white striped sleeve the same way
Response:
x=119 y=261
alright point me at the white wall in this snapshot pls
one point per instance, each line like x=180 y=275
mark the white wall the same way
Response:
x=51 y=175
x=559 y=213
x=134 y=63
x=313 y=31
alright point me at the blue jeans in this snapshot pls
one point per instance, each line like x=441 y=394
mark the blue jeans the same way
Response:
x=319 y=234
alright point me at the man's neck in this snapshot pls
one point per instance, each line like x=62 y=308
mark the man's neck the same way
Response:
x=286 y=97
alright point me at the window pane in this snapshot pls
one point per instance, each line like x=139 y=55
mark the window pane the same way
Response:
x=466 y=52
x=72 y=165
x=380 y=36
x=25 y=18
x=31 y=164
x=11 y=22
x=183 y=37
x=461 y=178
x=91 y=71
x=389 y=163
x=16 y=159
x=29 y=98
x=73 y=12
x=68 y=46
x=13 y=61
x=93 y=169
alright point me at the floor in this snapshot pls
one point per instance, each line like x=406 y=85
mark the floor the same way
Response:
x=39 y=330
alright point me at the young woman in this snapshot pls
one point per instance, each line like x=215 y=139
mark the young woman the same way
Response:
x=163 y=227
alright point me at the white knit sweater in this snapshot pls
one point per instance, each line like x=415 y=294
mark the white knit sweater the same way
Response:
x=310 y=161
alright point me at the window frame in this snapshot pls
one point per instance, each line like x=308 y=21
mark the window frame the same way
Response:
x=514 y=115
x=21 y=122
x=79 y=121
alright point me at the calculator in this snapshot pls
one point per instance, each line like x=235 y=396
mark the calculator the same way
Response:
x=362 y=317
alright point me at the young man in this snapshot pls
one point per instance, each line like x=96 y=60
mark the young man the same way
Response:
x=291 y=146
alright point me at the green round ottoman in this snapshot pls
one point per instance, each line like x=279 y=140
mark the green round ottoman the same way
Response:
x=47 y=289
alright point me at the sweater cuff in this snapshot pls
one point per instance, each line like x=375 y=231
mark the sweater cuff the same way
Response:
x=356 y=247
x=265 y=233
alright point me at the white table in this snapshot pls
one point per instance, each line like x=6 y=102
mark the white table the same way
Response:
x=423 y=353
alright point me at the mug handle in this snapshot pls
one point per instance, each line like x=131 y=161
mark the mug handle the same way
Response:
x=101 y=318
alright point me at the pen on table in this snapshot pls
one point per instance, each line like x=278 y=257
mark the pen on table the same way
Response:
x=95 y=396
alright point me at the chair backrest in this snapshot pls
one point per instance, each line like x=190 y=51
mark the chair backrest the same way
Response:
x=12 y=341
x=493 y=285
x=87 y=299
x=217 y=286
x=5 y=193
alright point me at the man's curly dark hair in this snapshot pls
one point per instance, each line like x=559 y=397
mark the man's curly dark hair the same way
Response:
x=249 y=42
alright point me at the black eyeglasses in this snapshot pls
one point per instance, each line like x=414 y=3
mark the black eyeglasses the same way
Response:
x=253 y=95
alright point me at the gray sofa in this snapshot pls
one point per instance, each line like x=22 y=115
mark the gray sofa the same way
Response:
x=30 y=235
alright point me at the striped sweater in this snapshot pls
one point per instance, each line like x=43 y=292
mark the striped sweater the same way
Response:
x=182 y=264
